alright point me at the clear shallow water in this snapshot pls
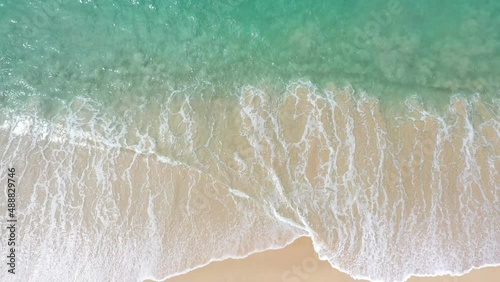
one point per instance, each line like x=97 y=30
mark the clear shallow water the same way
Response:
x=155 y=136
x=389 y=48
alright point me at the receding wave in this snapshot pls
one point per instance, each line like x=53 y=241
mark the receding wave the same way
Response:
x=154 y=190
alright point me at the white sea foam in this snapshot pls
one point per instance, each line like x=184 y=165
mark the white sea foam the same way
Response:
x=177 y=184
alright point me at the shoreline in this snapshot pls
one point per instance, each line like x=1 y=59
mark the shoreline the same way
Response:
x=291 y=167
x=298 y=261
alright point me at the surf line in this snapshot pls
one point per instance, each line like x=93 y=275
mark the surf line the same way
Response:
x=11 y=220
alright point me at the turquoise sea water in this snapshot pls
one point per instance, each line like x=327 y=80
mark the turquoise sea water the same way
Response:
x=153 y=137
x=394 y=48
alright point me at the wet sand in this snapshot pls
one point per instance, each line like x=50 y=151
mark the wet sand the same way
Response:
x=296 y=263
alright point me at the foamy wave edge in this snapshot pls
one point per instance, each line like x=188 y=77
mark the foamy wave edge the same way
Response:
x=25 y=122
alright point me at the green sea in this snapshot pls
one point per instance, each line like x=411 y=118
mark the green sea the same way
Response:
x=396 y=48
x=356 y=123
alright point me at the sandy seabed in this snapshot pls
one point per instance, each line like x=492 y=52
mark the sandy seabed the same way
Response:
x=188 y=181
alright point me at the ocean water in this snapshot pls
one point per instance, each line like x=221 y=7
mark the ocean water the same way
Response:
x=153 y=137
